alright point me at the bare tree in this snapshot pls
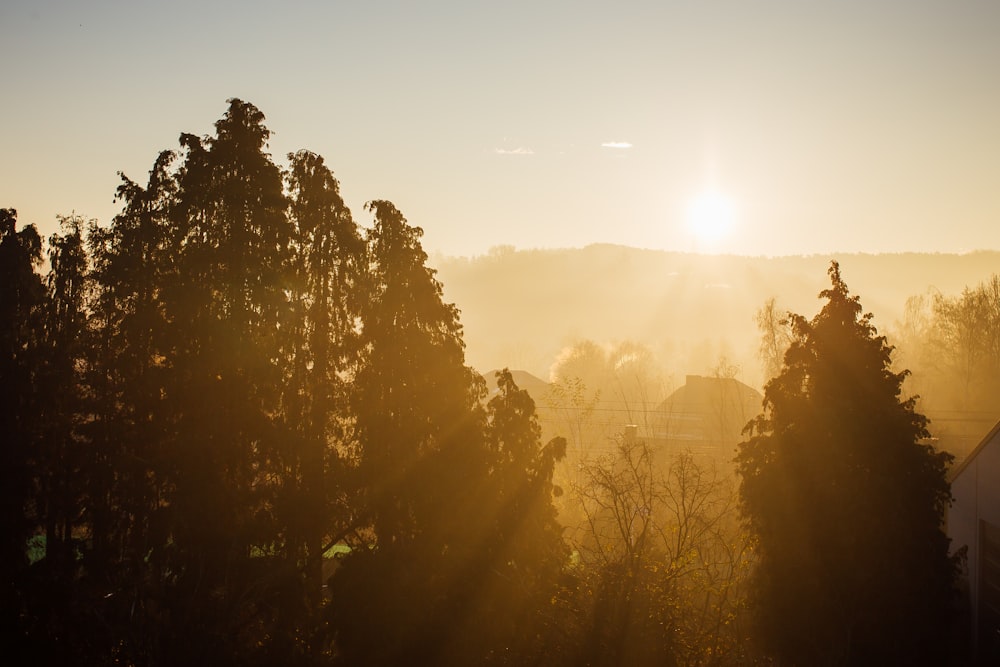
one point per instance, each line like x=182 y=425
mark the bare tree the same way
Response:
x=775 y=337
x=664 y=557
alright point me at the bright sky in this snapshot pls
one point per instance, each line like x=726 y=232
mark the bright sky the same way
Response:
x=818 y=127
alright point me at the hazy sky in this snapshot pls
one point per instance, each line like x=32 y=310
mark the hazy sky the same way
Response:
x=834 y=126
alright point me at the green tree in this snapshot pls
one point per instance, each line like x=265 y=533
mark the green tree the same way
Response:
x=964 y=346
x=418 y=424
x=952 y=345
x=21 y=298
x=517 y=552
x=846 y=502
x=129 y=427
x=61 y=450
x=226 y=305
x=413 y=395
x=460 y=553
x=65 y=337
x=314 y=503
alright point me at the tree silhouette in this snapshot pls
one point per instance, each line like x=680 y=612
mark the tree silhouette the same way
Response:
x=662 y=560
x=21 y=298
x=517 y=552
x=130 y=424
x=418 y=428
x=414 y=396
x=62 y=449
x=320 y=350
x=199 y=400
x=775 y=336
x=225 y=303
x=846 y=502
x=955 y=345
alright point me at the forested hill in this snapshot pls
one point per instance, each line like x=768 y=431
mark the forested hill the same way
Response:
x=521 y=307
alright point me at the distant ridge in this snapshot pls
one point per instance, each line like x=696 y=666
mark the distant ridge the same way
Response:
x=521 y=307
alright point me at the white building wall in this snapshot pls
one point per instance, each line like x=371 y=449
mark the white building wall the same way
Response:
x=975 y=488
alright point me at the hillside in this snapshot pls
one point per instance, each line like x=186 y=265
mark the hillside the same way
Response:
x=521 y=308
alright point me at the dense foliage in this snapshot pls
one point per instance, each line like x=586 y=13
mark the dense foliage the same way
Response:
x=845 y=500
x=952 y=345
x=206 y=400
x=239 y=428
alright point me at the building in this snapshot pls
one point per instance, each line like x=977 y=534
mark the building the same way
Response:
x=536 y=387
x=974 y=528
x=706 y=413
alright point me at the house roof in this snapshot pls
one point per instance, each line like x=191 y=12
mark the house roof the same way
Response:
x=957 y=470
x=535 y=386
x=700 y=392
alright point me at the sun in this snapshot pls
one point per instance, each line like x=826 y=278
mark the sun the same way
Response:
x=710 y=217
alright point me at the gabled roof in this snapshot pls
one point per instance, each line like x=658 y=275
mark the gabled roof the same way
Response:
x=535 y=386
x=957 y=470
x=700 y=392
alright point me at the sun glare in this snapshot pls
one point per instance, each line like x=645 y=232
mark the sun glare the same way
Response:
x=710 y=217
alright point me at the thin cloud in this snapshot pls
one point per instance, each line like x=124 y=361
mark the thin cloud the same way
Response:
x=514 y=151
x=616 y=144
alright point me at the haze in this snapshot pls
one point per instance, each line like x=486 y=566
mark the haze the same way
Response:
x=565 y=333
x=847 y=126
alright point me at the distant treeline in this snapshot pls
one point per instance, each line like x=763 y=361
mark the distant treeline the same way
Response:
x=529 y=309
x=523 y=307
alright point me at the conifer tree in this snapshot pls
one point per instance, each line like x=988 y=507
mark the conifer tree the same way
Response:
x=418 y=428
x=517 y=552
x=61 y=381
x=414 y=396
x=61 y=451
x=21 y=298
x=328 y=255
x=846 y=501
x=226 y=305
x=130 y=426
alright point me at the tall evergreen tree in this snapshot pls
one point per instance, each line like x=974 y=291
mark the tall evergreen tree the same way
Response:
x=418 y=427
x=200 y=398
x=65 y=338
x=516 y=552
x=327 y=262
x=130 y=426
x=226 y=305
x=413 y=395
x=62 y=448
x=21 y=298
x=846 y=502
